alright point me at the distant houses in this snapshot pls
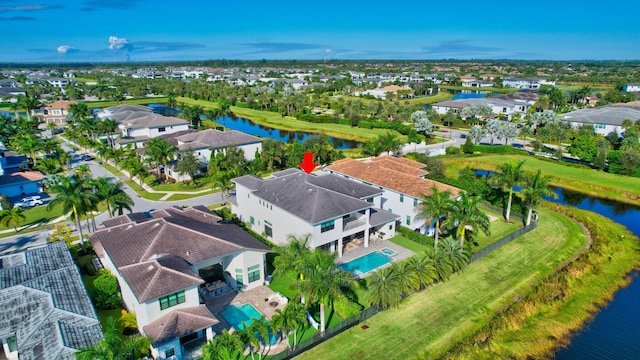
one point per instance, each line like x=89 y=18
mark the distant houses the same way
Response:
x=604 y=119
x=383 y=92
x=46 y=311
x=632 y=87
x=15 y=178
x=506 y=107
x=526 y=83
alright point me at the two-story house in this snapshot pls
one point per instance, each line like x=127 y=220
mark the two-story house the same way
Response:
x=139 y=130
x=402 y=182
x=333 y=210
x=165 y=261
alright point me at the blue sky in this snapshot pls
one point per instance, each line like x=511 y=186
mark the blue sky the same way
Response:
x=158 y=30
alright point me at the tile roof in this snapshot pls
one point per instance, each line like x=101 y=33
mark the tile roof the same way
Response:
x=307 y=197
x=212 y=138
x=180 y=322
x=153 y=120
x=380 y=171
x=154 y=254
x=45 y=304
x=610 y=115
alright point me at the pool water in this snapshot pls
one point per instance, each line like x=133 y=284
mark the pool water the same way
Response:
x=235 y=315
x=364 y=264
x=388 y=252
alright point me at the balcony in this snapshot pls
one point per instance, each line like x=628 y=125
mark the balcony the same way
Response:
x=353 y=222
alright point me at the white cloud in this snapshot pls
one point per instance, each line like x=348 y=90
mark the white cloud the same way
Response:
x=64 y=49
x=116 y=43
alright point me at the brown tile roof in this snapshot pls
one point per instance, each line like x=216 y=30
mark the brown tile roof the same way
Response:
x=380 y=172
x=180 y=322
x=154 y=255
x=165 y=275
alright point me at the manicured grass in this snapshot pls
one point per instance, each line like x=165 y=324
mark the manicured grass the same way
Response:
x=112 y=170
x=143 y=193
x=139 y=101
x=499 y=228
x=277 y=121
x=533 y=327
x=408 y=244
x=35 y=215
x=427 y=324
x=423 y=100
x=588 y=181
x=203 y=184
x=176 y=197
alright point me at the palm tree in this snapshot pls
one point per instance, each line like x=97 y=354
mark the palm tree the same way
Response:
x=291 y=318
x=78 y=111
x=223 y=346
x=534 y=188
x=434 y=207
x=160 y=151
x=454 y=254
x=407 y=280
x=465 y=212
x=422 y=270
x=113 y=195
x=115 y=346
x=435 y=257
x=30 y=103
x=507 y=176
x=323 y=281
x=108 y=127
x=389 y=142
x=12 y=216
x=384 y=289
x=224 y=184
x=28 y=144
x=249 y=337
x=75 y=194
x=82 y=171
x=293 y=256
x=137 y=168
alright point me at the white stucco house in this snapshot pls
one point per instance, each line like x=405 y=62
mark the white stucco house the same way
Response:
x=166 y=263
x=139 y=130
x=604 y=119
x=381 y=93
x=333 y=210
x=402 y=183
x=525 y=83
x=632 y=87
x=497 y=105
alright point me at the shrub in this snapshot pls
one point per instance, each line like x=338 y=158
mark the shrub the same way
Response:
x=241 y=104
x=468 y=147
x=5 y=203
x=150 y=180
x=105 y=293
x=498 y=149
x=415 y=237
x=452 y=150
x=346 y=307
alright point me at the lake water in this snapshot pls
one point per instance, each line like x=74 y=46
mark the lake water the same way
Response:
x=471 y=94
x=614 y=333
x=249 y=127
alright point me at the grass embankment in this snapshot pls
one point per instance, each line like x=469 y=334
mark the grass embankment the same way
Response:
x=424 y=100
x=545 y=319
x=428 y=324
x=491 y=89
x=139 y=101
x=587 y=181
x=277 y=121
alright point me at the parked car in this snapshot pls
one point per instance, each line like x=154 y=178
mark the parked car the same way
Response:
x=29 y=201
x=463 y=135
x=86 y=157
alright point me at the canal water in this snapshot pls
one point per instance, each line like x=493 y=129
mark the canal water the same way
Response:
x=614 y=332
x=249 y=127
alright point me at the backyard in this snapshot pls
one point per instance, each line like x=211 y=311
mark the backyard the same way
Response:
x=445 y=312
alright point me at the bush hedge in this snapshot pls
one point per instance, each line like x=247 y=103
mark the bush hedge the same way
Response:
x=346 y=307
x=415 y=237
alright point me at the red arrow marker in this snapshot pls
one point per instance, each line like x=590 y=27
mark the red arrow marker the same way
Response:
x=307 y=164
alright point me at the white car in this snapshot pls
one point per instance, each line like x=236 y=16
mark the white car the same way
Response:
x=29 y=201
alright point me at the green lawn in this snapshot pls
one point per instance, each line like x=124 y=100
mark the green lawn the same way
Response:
x=491 y=89
x=36 y=215
x=423 y=100
x=499 y=228
x=139 y=101
x=408 y=244
x=427 y=324
x=176 y=197
x=595 y=183
x=276 y=121
x=135 y=186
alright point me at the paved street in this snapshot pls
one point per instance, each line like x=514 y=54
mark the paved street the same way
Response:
x=23 y=241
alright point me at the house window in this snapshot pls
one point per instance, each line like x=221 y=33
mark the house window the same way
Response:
x=172 y=300
x=401 y=197
x=170 y=352
x=415 y=202
x=162 y=129
x=326 y=226
x=254 y=267
x=408 y=220
x=12 y=343
x=267 y=229
x=254 y=275
x=252 y=221
x=239 y=279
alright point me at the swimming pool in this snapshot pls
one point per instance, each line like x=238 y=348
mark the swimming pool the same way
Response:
x=388 y=252
x=366 y=263
x=236 y=314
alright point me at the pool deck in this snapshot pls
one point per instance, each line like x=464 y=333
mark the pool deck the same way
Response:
x=255 y=297
x=401 y=253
